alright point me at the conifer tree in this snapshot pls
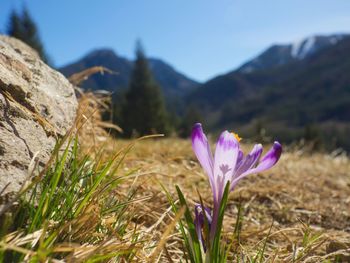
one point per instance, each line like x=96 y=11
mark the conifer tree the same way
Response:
x=144 y=111
x=192 y=115
x=14 y=26
x=24 y=28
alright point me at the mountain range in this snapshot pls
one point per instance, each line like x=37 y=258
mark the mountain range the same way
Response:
x=291 y=91
x=172 y=82
x=304 y=97
x=278 y=55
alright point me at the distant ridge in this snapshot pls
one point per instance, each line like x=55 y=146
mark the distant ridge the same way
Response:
x=286 y=98
x=172 y=82
x=285 y=90
x=278 y=55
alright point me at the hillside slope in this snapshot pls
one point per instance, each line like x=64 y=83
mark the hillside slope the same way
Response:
x=172 y=82
x=285 y=100
x=278 y=55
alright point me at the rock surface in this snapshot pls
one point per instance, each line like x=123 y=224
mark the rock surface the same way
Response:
x=37 y=106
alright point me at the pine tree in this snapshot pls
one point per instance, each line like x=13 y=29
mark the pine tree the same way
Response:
x=192 y=116
x=23 y=27
x=144 y=111
x=15 y=26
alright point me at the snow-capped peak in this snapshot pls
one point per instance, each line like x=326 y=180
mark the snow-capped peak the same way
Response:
x=302 y=48
x=282 y=54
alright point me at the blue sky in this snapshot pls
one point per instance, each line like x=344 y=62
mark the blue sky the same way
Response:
x=201 y=38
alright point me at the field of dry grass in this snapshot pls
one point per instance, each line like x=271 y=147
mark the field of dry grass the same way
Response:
x=306 y=197
x=299 y=211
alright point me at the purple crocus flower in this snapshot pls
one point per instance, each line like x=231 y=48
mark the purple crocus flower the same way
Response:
x=229 y=163
x=200 y=220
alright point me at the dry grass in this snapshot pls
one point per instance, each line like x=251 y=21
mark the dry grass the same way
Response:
x=91 y=128
x=307 y=197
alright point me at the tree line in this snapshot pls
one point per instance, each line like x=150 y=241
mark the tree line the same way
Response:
x=141 y=110
x=22 y=26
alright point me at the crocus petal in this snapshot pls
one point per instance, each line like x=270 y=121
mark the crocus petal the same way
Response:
x=226 y=154
x=201 y=148
x=198 y=223
x=269 y=160
x=239 y=158
x=200 y=220
x=199 y=213
x=250 y=160
x=198 y=228
x=247 y=163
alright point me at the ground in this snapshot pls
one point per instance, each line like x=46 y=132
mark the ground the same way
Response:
x=111 y=206
x=305 y=197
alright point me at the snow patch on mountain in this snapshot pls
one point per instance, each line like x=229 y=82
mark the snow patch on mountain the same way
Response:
x=278 y=55
x=302 y=48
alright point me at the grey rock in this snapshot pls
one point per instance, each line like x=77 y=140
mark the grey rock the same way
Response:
x=37 y=106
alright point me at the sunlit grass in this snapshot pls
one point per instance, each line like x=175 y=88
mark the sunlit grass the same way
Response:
x=112 y=207
x=73 y=212
x=105 y=200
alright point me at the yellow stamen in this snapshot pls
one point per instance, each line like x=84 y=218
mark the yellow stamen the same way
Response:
x=237 y=136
